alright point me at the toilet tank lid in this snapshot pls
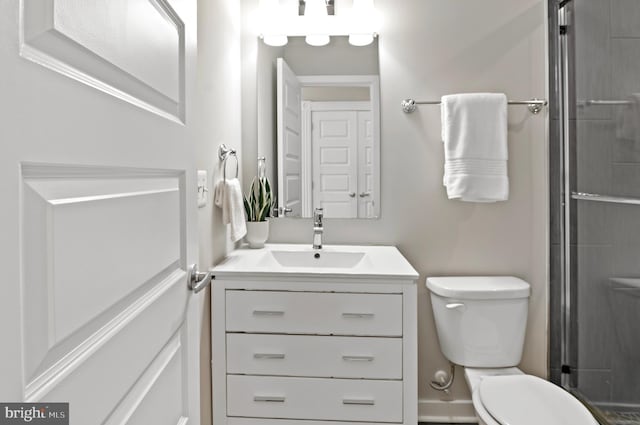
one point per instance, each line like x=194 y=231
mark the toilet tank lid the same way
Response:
x=479 y=287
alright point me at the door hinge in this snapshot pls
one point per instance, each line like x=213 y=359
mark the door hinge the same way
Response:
x=566 y=369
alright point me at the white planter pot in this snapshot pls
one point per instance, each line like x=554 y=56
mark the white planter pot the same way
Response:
x=257 y=233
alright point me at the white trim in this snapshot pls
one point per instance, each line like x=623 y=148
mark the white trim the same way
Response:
x=339 y=105
x=457 y=411
x=410 y=351
x=305 y=141
x=339 y=80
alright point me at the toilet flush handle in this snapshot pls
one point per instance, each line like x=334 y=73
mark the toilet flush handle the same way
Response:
x=452 y=306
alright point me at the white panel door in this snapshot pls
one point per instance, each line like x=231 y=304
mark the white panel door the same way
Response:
x=289 y=140
x=366 y=175
x=334 y=144
x=98 y=219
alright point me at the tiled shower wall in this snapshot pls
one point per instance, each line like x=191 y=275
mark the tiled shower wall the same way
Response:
x=605 y=60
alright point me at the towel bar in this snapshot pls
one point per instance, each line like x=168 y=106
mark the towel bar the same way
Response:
x=595 y=102
x=534 y=105
x=605 y=198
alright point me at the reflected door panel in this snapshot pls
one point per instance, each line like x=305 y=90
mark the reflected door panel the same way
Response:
x=335 y=164
x=289 y=161
x=366 y=176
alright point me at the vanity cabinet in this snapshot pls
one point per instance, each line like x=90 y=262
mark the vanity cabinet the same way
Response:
x=303 y=351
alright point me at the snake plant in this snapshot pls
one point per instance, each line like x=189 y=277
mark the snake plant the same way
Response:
x=260 y=200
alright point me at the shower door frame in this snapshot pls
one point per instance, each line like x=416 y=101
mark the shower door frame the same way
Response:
x=563 y=362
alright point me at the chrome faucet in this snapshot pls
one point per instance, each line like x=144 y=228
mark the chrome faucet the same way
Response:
x=317 y=228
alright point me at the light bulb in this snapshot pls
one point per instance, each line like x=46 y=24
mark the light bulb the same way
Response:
x=275 y=40
x=317 y=39
x=363 y=23
x=360 y=39
x=271 y=25
x=316 y=14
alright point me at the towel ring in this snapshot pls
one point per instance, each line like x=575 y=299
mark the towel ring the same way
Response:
x=224 y=153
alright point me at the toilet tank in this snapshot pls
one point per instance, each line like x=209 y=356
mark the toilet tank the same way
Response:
x=480 y=321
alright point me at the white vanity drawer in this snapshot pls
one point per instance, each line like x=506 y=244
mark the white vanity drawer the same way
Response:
x=314 y=399
x=314 y=313
x=317 y=356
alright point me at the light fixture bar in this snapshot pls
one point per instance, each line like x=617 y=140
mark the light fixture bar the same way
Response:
x=331 y=7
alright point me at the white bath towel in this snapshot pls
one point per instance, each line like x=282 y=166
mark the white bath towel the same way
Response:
x=228 y=196
x=474 y=132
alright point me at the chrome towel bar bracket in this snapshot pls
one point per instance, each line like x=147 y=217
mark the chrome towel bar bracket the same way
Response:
x=534 y=105
x=224 y=153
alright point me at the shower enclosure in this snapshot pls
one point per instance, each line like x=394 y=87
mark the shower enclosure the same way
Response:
x=595 y=204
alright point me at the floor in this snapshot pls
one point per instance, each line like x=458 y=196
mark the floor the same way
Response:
x=622 y=418
x=439 y=423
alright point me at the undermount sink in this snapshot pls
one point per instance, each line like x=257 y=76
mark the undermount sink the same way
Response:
x=333 y=259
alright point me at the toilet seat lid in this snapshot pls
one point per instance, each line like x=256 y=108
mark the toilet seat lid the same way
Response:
x=529 y=400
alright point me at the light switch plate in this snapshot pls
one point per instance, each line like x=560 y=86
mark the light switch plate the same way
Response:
x=203 y=190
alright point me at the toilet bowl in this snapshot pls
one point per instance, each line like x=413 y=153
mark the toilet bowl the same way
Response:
x=509 y=396
x=481 y=324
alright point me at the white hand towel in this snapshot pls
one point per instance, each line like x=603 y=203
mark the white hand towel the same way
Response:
x=228 y=196
x=474 y=132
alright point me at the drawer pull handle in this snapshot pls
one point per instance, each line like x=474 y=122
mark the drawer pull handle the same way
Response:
x=268 y=313
x=269 y=398
x=359 y=401
x=358 y=358
x=268 y=355
x=358 y=315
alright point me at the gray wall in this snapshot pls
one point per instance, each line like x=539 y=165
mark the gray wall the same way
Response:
x=218 y=115
x=428 y=48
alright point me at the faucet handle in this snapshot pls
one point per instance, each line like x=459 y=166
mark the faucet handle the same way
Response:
x=317 y=216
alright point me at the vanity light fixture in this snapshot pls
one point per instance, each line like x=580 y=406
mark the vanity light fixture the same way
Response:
x=272 y=23
x=317 y=21
x=316 y=16
x=362 y=23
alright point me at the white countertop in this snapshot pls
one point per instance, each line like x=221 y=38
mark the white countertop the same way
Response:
x=377 y=262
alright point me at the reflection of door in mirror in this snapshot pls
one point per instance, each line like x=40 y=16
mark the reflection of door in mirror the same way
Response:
x=289 y=141
x=327 y=144
x=341 y=158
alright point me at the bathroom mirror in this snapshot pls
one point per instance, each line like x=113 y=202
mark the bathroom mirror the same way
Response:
x=326 y=126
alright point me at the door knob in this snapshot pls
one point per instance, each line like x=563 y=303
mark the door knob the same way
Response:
x=198 y=281
x=352 y=194
x=364 y=194
x=284 y=211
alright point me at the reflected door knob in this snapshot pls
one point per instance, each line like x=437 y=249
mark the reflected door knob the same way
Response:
x=352 y=194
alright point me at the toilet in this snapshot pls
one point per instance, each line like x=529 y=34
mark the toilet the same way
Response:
x=481 y=324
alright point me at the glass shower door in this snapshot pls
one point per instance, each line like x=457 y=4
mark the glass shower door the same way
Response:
x=599 y=125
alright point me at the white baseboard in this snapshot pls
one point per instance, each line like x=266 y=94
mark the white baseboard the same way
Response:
x=457 y=411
